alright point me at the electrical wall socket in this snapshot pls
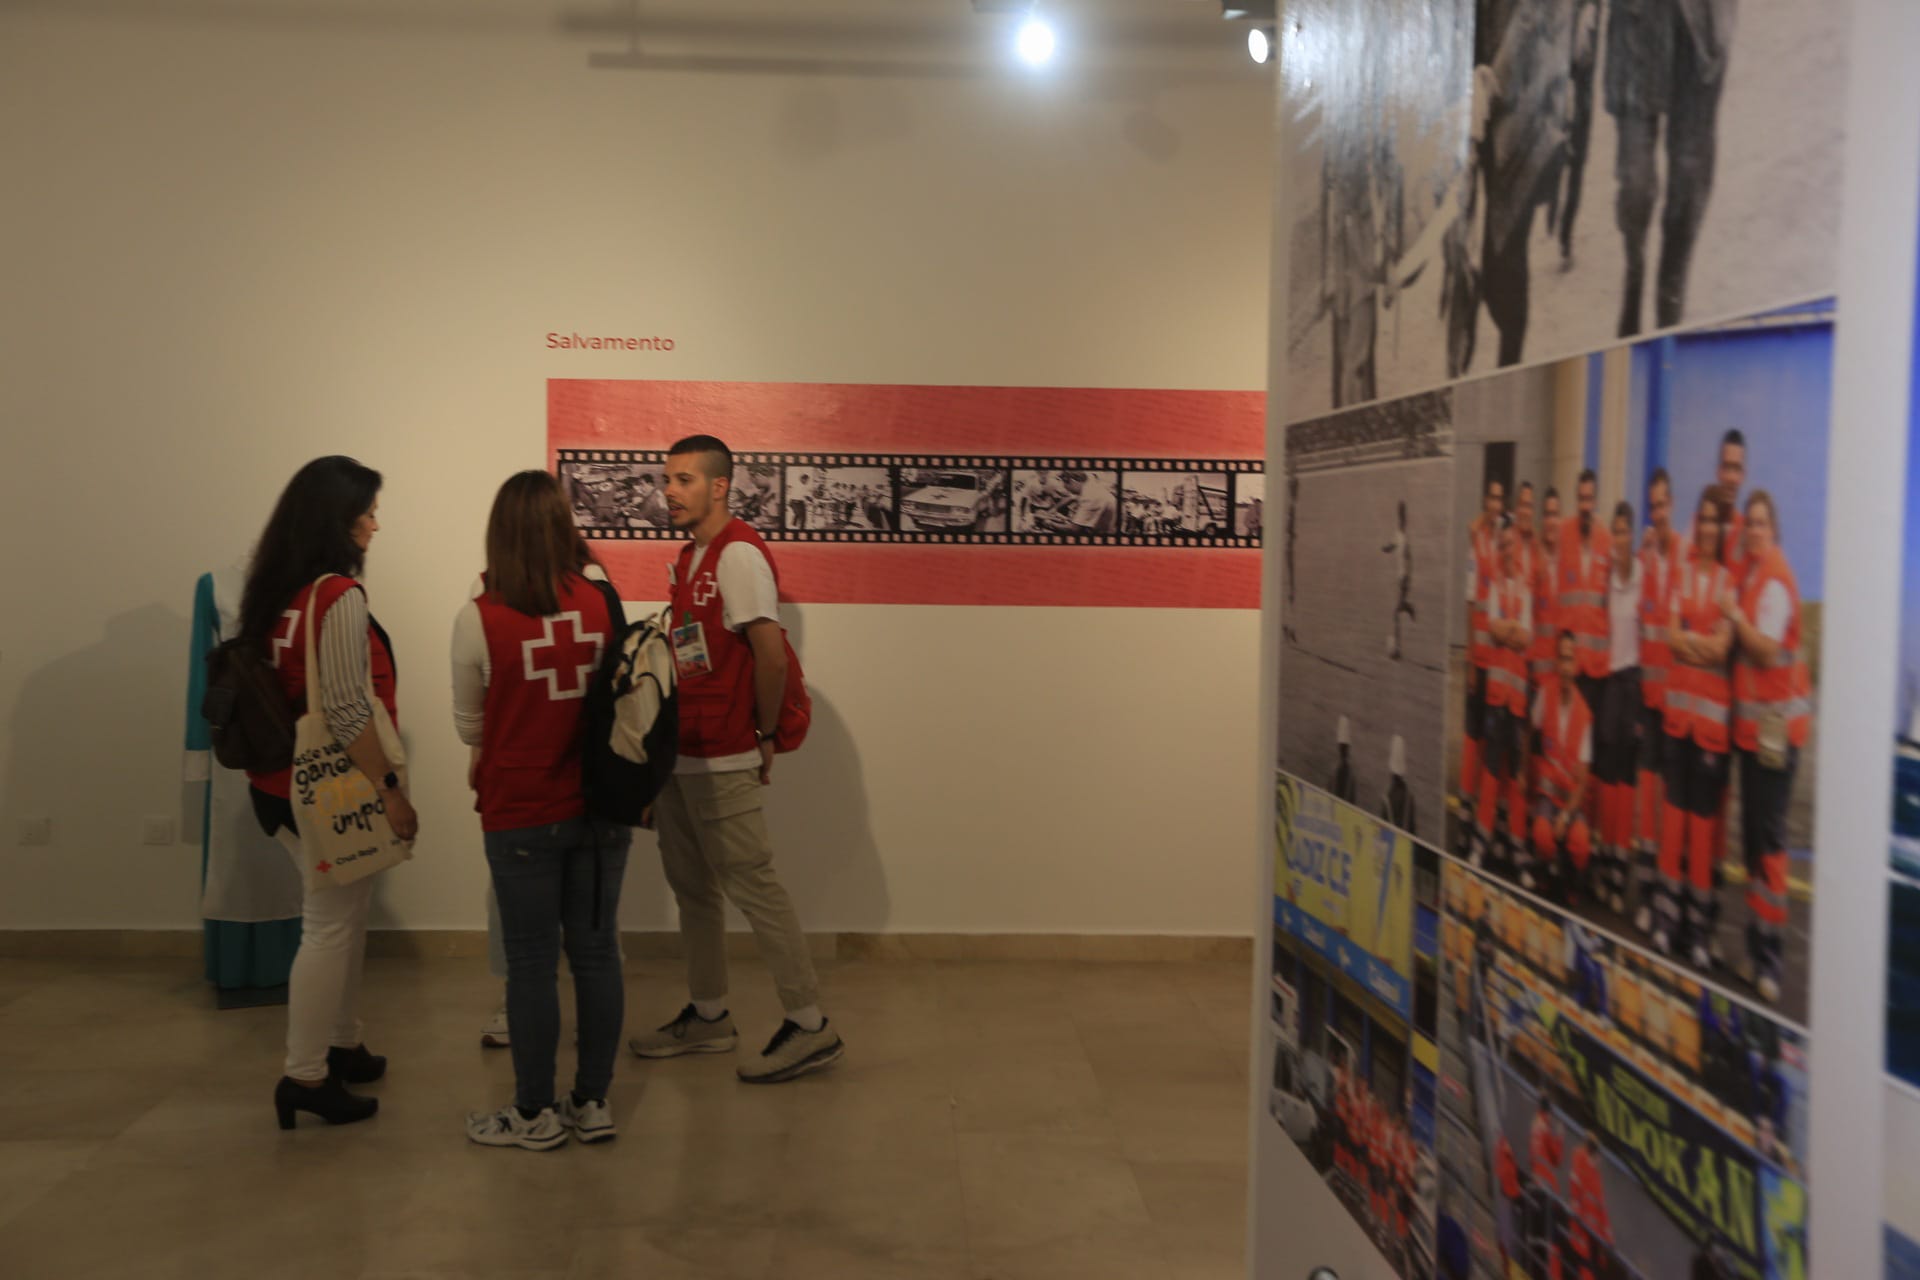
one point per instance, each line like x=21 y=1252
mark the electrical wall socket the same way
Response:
x=159 y=830
x=36 y=831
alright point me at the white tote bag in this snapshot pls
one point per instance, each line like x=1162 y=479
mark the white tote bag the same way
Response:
x=345 y=834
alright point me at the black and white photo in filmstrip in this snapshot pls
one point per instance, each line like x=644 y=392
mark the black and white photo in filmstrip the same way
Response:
x=1249 y=505
x=1075 y=500
x=1191 y=504
x=838 y=498
x=757 y=495
x=930 y=498
x=1518 y=180
x=615 y=495
x=953 y=500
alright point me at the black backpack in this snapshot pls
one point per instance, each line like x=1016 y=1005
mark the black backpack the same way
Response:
x=632 y=718
x=248 y=716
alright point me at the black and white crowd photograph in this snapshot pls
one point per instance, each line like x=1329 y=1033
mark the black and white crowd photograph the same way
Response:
x=837 y=499
x=1187 y=504
x=1631 y=705
x=1522 y=180
x=1070 y=502
x=1367 y=577
x=615 y=495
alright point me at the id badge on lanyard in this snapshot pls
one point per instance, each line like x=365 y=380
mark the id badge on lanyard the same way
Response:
x=690 y=657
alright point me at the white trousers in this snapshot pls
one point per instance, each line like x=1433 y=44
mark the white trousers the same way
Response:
x=323 y=991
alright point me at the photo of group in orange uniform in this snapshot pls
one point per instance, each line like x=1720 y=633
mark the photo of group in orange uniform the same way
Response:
x=1634 y=680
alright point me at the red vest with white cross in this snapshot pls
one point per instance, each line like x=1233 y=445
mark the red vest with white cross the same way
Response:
x=539 y=669
x=716 y=706
x=287 y=649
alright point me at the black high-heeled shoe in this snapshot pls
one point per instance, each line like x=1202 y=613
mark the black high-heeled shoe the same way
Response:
x=330 y=1101
x=356 y=1065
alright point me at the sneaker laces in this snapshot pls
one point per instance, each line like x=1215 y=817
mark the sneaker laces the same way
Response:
x=681 y=1021
x=788 y=1030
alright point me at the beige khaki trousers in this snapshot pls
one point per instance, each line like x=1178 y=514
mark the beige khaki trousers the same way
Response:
x=715 y=848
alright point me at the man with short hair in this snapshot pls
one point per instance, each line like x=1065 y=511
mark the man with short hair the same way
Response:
x=731 y=655
x=1509 y=627
x=1659 y=551
x=1730 y=472
x=1483 y=567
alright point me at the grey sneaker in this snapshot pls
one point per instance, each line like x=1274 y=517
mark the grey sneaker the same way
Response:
x=589 y=1121
x=687 y=1033
x=793 y=1053
x=508 y=1128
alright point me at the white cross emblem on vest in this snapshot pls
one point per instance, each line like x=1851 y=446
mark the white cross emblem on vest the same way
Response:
x=283 y=635
x=705 y=588
x=573 y=657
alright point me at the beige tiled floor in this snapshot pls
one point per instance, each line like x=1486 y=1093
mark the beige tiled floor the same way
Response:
x=992 y=1121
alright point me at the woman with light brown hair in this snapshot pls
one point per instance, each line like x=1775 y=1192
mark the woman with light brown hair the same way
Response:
x=524 y=650
x=1772 y=715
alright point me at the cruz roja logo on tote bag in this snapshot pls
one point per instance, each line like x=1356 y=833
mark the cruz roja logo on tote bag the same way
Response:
x=345 y=834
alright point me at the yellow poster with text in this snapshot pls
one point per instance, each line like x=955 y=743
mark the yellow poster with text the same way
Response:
x=1344 y=869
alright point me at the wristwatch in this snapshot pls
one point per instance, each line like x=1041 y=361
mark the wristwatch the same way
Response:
x=391 y=782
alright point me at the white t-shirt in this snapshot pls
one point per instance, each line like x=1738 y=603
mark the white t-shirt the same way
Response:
x=1585 y=751
x=1094 y=512
x=748 y=594
x=1623 y=618
x=1773 y=613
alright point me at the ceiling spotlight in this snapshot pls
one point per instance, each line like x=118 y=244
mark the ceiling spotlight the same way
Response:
x=1036 y=41
x=1260 y=43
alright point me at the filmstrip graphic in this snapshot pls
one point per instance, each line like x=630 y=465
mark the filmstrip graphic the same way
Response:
x=619 y=494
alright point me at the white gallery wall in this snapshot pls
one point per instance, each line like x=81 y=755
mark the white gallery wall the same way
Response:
x=241 y=235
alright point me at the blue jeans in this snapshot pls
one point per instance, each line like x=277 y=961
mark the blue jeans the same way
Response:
x=544 y=878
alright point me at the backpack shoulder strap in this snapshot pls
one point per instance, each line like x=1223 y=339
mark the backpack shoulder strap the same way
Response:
x=616 y=612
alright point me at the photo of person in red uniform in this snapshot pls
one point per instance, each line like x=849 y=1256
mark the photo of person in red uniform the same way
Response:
x=1563 y=725
x=1699 y=695
x=1772 y=715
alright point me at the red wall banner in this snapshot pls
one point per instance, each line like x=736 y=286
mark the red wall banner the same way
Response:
x=938 y=495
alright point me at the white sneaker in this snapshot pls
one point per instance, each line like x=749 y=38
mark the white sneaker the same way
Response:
x=590 y=1121
x=494 y=1035
x=508 y=1128
x=794 y=1052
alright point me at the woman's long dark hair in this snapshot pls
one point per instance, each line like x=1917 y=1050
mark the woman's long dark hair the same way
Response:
x=309 y=533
